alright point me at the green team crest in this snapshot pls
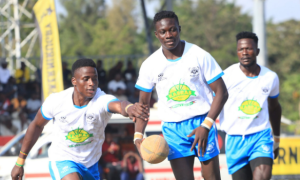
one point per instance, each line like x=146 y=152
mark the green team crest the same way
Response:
x=180 y=92
x=78 y=135
x=250 y=107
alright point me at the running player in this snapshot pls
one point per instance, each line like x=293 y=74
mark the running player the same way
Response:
x=185 y=77
x=80 y=115
x=253 y=100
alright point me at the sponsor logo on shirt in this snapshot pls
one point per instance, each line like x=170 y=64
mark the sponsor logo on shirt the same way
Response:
x=90 y=118
x=180 y=92
x=194 y=71
x=265 y=90
x=63 y=119
x=161 y=77
x=250 y=107
x=78 y=135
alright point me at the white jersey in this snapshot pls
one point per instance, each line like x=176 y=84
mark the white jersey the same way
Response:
x=78 y=132
x=246 y=110
x=182 y=85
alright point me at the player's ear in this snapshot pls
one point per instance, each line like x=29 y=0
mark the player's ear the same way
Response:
x=156 y=35
x=257 y=51
x=73 y=80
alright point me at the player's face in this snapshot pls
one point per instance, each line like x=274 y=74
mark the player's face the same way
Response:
x=167 y=32
x=85 y=81
x=247 y=51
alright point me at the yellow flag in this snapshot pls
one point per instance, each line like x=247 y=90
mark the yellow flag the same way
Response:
x=51 y=70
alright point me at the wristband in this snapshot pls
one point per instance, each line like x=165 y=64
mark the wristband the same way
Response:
x=207 y=123
x=127 y=107
x=276 y=139
x=23 y=153
x=275 y=145
x=20 y=162
x=137 y=135
x=19 y=165
x=205 y=126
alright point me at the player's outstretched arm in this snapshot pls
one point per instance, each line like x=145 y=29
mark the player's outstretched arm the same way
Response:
x=130 y=110
x=140 y=124
x=201 y=133
x=32 y=134
x=275 y=120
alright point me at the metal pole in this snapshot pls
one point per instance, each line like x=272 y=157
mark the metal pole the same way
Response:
x=259 y=27
x=149 y=39
x=17 y=34
x=169 y=5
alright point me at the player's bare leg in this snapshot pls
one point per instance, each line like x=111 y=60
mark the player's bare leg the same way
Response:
x=73 y=176
x=211 y=169
x=262 y=172
x=183 y=168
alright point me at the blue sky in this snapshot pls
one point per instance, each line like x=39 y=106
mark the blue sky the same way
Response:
x=277 y=10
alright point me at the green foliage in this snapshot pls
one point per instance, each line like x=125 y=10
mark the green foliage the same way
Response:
x=91 y=28
x=283 y=43
x=213 y=25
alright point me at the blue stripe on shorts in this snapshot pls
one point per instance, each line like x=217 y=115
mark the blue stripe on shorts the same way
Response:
x=175 y=133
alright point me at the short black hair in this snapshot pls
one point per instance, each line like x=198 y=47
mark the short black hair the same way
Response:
x=84 y=62
x=165 y=14
x=246 y=34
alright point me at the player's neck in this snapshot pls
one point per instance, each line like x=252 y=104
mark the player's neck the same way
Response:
x=79 y=99
x=176 y=52
x=250 y=71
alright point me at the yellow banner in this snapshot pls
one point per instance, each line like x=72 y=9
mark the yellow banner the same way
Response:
x=288 y=160
x=52 y=81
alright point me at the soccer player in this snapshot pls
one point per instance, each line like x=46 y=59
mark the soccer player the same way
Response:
x=185 y=77
x=80 y=115
x=253 y=101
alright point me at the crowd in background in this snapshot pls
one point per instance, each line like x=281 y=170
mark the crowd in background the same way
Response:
x=20 y=95
x=20 y=99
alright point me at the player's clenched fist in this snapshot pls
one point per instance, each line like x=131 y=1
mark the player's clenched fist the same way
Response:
x=17 y=173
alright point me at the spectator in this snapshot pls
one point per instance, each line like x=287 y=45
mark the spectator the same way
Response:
x=132 y=167
x=38 y=76
x=120 y=95
x=115 y=70
x=130 y=85
x=11 y=88
x=101 y=76
x=33 y=105
x=5 y=118
x=4 y=73
x=116 y=83
x=110 y=153
x=18 y=109
x=22 y=75
x=129 y=72
x=67 y=75
x=133 y=98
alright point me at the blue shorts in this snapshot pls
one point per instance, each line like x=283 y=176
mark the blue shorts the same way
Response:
x=241 y=150
x=59 y=169
x=175 y=133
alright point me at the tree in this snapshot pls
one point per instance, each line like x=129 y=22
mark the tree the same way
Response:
x=283 y=43
x=213 y=25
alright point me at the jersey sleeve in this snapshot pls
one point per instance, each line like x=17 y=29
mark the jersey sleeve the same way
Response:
x=211 y=69
x=275 y=88
x=47 y=107
x=108 y=99
x=144 y=82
